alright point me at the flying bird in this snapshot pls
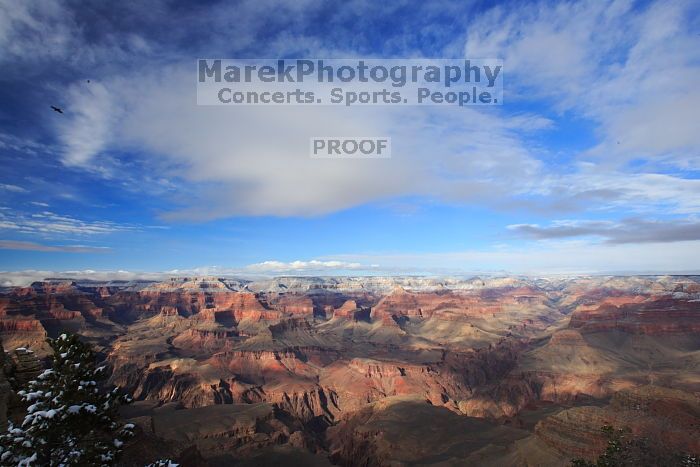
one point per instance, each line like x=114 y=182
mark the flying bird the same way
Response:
x=56 y=109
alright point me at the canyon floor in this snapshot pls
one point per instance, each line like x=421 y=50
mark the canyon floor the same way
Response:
x=502 y=371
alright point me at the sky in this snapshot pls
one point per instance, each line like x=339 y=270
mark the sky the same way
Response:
x=590 y=165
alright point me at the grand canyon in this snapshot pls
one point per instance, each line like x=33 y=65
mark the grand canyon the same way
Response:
x=377 y=371
x=350 y=233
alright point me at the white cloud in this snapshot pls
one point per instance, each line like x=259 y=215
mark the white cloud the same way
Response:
x=31 y=246
x=624 y=231
x=305 y=266
x=596 y=188
x=87 y=128
x=605 y=61
x=12 y=188
x=34 y=30
x=631 y=68
x=254 y=160
x=47 y=223
x=36 y=35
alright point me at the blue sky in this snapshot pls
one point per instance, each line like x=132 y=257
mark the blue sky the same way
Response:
x=591 y=165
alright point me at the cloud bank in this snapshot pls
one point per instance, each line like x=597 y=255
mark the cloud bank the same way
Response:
x=626 y=231
x=31 y=246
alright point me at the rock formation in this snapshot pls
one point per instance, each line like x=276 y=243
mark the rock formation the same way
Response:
x=327 y=365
